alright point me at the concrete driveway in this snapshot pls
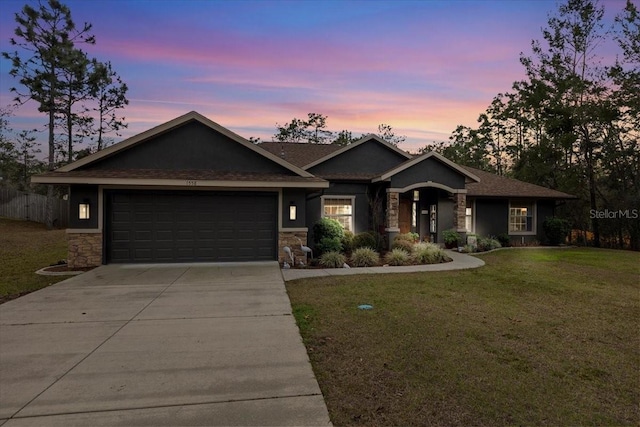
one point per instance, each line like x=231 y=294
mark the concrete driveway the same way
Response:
x=179 y=344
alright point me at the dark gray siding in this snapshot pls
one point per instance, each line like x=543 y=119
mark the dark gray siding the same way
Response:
x=492 y=217
x=83 y=194
x=545 y=209
x=362 y=214
x=428 y=170
x=368 y=157
x=445 y=216
x=297 y=197
x=191 y=146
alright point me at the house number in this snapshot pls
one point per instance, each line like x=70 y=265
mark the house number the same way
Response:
x=192 y=182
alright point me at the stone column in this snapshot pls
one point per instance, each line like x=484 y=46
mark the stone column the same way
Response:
x=84 y=248
x=290 y=239
x=459 y=215
x=393 y=210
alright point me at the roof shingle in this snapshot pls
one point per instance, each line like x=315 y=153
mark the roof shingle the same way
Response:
x=300 y=154
x=492 y=185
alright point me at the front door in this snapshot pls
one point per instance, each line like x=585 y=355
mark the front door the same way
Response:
x=404 y=215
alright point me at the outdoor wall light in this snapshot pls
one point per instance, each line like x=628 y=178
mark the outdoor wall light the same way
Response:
x=83 y=211
x=292 y=212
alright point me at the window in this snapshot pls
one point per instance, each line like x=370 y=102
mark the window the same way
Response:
x=341 y=209
x=468 y=219
x=521 y=218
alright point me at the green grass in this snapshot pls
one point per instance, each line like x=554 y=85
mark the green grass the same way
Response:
x=536 y=337
x=24 y=248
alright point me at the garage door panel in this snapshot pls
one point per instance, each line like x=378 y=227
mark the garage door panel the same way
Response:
x=190 y=226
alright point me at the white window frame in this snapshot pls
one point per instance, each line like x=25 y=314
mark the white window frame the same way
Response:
x=518 y=204
x=471 y=217
x=340 y=197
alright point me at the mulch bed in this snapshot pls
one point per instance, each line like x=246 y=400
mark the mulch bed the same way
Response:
x=63 y=268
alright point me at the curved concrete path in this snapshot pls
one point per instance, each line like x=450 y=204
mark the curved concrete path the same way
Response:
x=460 y=262
x=161 y=345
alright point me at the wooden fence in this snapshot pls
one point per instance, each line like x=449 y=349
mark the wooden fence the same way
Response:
x=32 y=207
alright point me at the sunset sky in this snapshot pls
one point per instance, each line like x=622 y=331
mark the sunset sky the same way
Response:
x=421 y=66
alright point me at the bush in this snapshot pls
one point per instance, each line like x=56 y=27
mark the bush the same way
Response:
x=429 y=253
x=397 y=257
x=364 y=240
x=364 y=257
x=325 y=233
x=487 y=244
x=469 y=249
x=405 y=245
x=504 y=239
x=332 y=259
x=556 y=230
x=451 y=238
x=347 y=241
x=408 y=237
x=329 y=244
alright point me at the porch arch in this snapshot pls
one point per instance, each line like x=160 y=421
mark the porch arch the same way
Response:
x=393 y=198
x=427 y=184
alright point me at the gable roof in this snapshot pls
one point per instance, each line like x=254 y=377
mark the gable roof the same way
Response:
x=299 y=153
x=492 y=185
x=415 y=160
x=364 y=139
x=172 y=124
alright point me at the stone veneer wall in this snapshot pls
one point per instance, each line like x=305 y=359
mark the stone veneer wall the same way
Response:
x=393 y=209
x=290 y=238
x=85 y=249
x=459 y=211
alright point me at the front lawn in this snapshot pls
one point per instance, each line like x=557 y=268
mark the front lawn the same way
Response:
x=536 y=337
x=24 y=248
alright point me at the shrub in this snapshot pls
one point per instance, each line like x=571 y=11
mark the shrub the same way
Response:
x=451 y=238
x=364 y=240
x=325 y=233
x=397 y=257
x=347 y=241
x=468 y=249
x=405 y=245
x=408 y=237
x=504 y=239
x=329 y=244
x=429 y=253
x=364 y=257
x=556 y=230
x=332 y=259
x=487 y=244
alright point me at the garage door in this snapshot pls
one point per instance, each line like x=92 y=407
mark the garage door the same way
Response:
x=145 y=226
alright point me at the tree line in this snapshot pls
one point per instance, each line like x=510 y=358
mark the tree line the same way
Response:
x=80 y=96
x=573 y=123
x=314 y=130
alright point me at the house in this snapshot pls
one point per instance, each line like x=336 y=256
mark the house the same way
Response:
x=191 y=190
